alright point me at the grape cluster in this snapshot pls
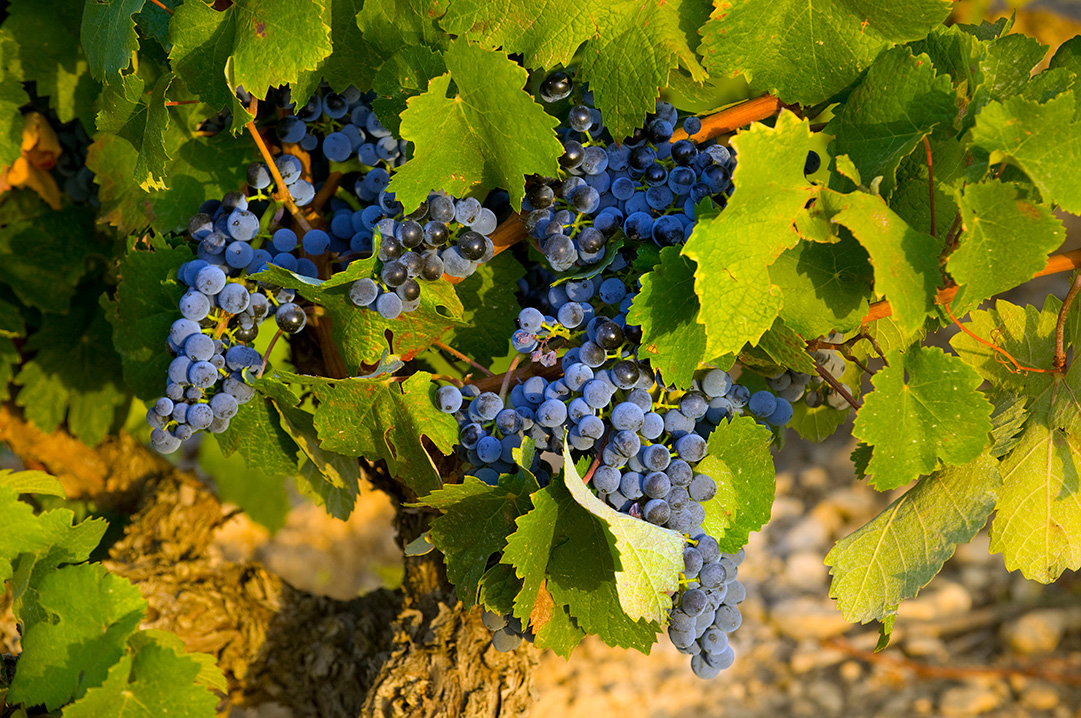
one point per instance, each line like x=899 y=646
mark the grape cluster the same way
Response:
x=206 y=382
x=647 y=187
x=708 y=607
x=646 y=438
x=507 y=631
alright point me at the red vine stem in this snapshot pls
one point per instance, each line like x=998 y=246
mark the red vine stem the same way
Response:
x=163 y=6
x=283 y=191
x=508 y=376
x=732 y=118
x=266 y=355
x=1017 y=365
x=1060 y=327
x=837 y=386
x=451 y=350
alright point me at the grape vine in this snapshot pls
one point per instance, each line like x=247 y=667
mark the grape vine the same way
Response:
x=568 y=294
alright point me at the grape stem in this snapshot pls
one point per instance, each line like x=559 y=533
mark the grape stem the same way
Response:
x=1060 y=328
x=283 y=191
x=451 y=350
x=163 y=6
x=837 y=386
x=1056 y=263
x=507 y=377
x=266 y=354
x=732 y=118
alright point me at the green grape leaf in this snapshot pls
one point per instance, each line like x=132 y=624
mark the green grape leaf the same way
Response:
x=738 y=459
x=156 y=682
x=46 y=278
x=108 y=36
x=786 y=348
x=1005 y=67
x=351 y=62
x=894 y=555
x=1068 y=56
x=200 y=168
x=734 y=248
x=648 y=558
x=64 y=542
x=491 y=309
x=1044 y=141
x=1038 y=516
x=389 y=25
x=827 y=286
x=815 y=423
x=334 y=479
x=498 y=587
x=1026 y=333
x=254 y=44
x=142 y=122
x=12 y=97
x=475 y=523
x=32 y=482
x=262 y=496
x=925 y=408
x=153 y=21
x=1007 y=421
x=989 y=259
x=382 y=418
x=405 y=74
x=52 y=57
x=905 y=261
x=560 y=633
x=581 y=571
x=806 y=52
x=462 y=141
x=667 y=309
x=361 y=334
x=70 y=375
x=909 y=198
x=143 y=309
x=202 y=39
x=92 y=614
x=209 y=673
x=630 y=47
x=256 y=432
x=897 y=103
x=954 y=52
x=22 y=530
x=529 y=549
x=626 y=89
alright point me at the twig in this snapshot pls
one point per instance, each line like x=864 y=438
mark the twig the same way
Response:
x=1060 y=328
x=732 y=118
x=266 y=354
x=1018 y=367
x=451 y=350
x=326 y=191
x=175 y=103
x=163 y=6
x=1058 y=263
x=954 y=233
x=283 y=191
x=955 y=672
x=837 y=386
x=930 y=184
x=507 y=377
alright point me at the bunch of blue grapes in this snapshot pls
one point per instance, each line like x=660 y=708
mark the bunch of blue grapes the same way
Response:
x=507 y=631
x=443 y=236
x=706 y=610
x=206 y=381
x=646 y=188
